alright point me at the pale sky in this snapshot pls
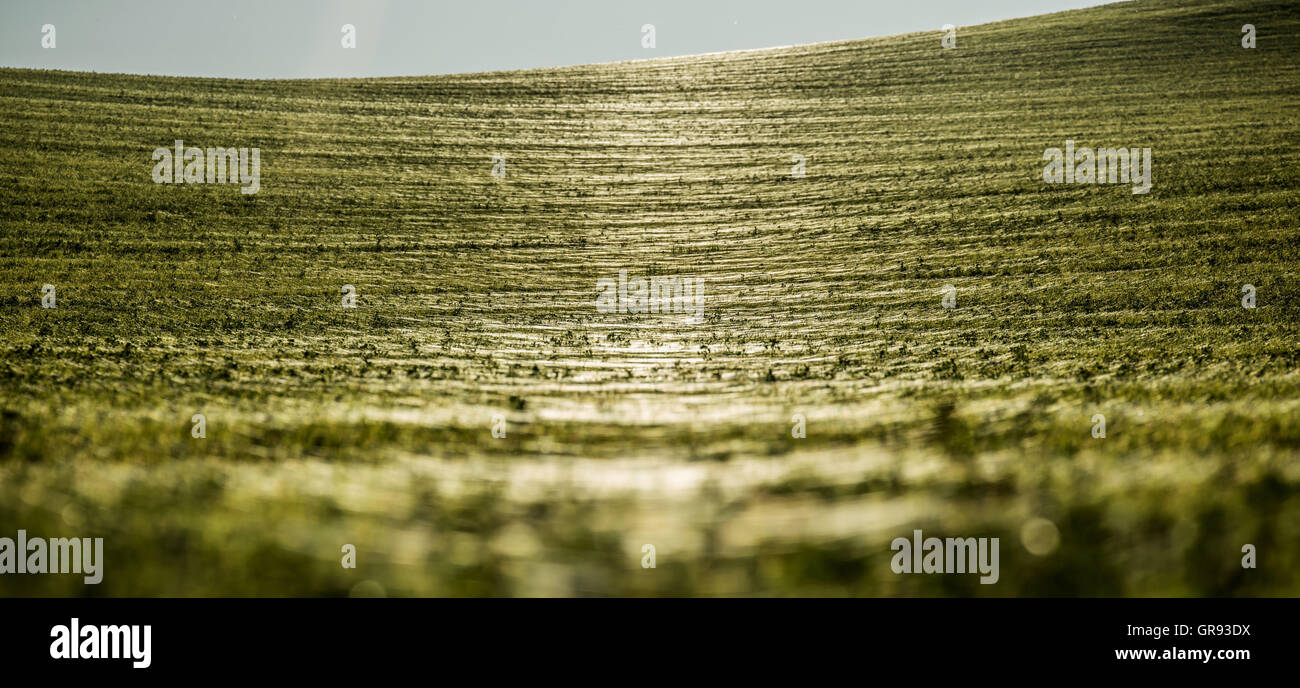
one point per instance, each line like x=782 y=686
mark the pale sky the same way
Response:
x=301 y=38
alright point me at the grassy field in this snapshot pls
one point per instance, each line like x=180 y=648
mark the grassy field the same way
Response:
x=475 y=296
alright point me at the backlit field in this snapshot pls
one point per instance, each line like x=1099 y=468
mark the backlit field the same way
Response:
x=476 y=296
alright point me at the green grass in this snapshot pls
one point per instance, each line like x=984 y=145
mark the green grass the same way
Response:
x=476 y=296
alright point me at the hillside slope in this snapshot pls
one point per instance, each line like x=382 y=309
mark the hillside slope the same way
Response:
x=476 y=296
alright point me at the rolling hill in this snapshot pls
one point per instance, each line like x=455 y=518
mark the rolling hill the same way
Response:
x=824 y=287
